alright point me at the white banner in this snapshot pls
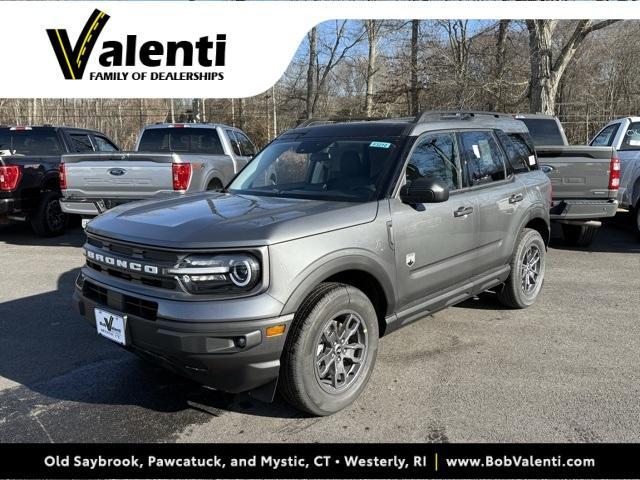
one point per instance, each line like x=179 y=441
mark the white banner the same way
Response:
x=200 y=49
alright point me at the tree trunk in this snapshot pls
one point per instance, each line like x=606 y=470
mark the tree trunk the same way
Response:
x=311 y=71
x=501 y=59
x=543 y=83
x=415 y=107
x=372 y=36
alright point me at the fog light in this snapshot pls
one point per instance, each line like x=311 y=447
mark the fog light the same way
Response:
x=275 y=330
x=241 y=342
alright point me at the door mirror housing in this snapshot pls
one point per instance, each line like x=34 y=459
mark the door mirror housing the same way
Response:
x=424 y=190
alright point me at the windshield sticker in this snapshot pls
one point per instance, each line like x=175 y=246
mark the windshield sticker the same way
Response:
x=380 y=145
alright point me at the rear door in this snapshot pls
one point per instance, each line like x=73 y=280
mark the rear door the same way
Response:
x=434 y=242
x=488 y=173
x=629 y=154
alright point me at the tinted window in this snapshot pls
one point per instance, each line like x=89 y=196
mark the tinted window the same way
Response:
x=104 y=145
x=631 y=140
x=484 y=159
x=520 y=151
x=248 y=150
x=606 y=136
x=29 y=142
x=435 y=155
x=544 y=131
x=235 y=146
x=80 y=143
x=341 y=169
x=186 y=140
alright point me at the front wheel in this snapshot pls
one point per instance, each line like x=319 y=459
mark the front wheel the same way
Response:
x=527 y=271
x=330 y=351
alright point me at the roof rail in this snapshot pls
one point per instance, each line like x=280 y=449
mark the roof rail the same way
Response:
x=432 y=115
x=328 y=120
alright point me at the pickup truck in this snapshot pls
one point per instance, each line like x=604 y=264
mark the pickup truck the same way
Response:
x=30 y=159
x=170 y=159
x=624 y=135
x=585 y=179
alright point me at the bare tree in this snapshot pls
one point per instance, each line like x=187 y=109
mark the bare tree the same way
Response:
x=415 y=32
x=311 y=70
x=372 y=28
x=547 y=72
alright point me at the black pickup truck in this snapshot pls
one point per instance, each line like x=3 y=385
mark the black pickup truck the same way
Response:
x=30 y=172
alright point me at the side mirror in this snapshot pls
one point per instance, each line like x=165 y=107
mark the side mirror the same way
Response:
x=424 y=190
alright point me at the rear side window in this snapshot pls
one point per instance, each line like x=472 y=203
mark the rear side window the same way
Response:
x=247 y=148
x=544 y=131
x=435 y=155
x=485 y=162
x=181 y=140
x=29 y=142
x=80 y=143
x=520 y=151
x=606 y=136
x=104 y=145
x=631 y=140
x=233 y=140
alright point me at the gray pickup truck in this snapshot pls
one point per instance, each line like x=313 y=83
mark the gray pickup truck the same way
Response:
x=368 y=227
x=170 y=159
x=624 y=135
x=585 y=179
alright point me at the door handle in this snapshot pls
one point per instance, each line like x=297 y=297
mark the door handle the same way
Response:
x=516 y=198
x=463 y=211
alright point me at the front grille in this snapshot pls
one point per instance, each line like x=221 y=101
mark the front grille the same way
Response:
x=143 y=255
x=119 y=302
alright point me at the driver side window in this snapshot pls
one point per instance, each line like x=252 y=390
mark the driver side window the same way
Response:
x=435 y=155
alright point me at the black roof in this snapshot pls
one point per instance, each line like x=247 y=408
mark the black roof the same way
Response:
x=394 y=128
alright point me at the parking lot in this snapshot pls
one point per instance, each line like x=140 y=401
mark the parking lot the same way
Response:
x=565 y=369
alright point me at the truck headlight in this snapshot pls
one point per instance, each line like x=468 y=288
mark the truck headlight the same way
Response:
x=209 y=274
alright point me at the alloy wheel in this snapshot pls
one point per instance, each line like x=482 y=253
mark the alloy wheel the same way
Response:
x=530 y=269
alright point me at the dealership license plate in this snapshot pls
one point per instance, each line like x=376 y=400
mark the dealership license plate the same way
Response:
x=111 y=326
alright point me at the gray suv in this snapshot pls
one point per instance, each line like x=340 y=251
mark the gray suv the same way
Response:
x=332 y=236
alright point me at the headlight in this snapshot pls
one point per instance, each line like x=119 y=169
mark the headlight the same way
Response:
x=209 y=274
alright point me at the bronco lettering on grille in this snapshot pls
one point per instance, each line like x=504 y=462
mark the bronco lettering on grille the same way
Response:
x=120 y=263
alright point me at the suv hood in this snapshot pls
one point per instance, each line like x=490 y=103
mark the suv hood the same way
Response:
x=214 y=220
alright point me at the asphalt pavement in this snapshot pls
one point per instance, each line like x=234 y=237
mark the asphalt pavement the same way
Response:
x=565 y=370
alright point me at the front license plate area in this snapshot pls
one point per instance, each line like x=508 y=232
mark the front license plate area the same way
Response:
x=111 y=326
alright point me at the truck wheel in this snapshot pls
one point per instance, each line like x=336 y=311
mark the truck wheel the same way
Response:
x=578 y=235
x=49 y=220
x=330 y=351
x=527 y=271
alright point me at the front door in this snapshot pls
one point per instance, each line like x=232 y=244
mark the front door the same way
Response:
x=434 y=242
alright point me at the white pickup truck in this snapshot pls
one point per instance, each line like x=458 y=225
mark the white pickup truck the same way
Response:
x=170 y=159
x=624 y=135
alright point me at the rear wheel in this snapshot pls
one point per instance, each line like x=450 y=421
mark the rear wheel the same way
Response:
x=49 y=220
x=527 y=271
x=330 y=351
x=578 y=235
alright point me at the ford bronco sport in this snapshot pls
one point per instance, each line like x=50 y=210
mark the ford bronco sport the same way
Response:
x=289 y=285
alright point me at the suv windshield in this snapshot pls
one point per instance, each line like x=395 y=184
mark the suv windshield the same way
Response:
x=29 y=142
x=343 y=169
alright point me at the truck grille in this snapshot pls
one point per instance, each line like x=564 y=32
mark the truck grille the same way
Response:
x=133 y=254
x=121 y=303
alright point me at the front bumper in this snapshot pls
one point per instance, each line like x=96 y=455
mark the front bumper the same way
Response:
x=208 y=352
x=583 y=209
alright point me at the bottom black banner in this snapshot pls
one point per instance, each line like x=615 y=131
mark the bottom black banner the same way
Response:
x=320 y=461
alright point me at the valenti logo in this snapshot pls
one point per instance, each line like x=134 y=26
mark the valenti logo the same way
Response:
x=133 y=59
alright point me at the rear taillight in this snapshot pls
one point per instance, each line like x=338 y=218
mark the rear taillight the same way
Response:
x=9 y=177
x=614 y=174
x=63 y=177
x=181 y=175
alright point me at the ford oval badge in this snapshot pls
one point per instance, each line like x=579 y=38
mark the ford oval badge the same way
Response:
x=117 y=172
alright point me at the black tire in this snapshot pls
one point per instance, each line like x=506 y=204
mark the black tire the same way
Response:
x=578 y=235
x=49 y=220
x=635 y=220
x=215 y=185
x=514 y=294
x=301 y=381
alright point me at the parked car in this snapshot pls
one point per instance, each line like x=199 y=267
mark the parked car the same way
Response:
x=170 y=159
x=377 y=224
x=585 y=179
x=624 y=135
x=29 y=172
